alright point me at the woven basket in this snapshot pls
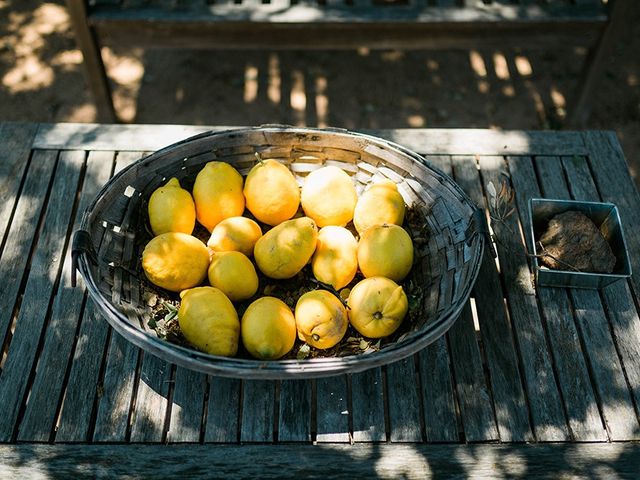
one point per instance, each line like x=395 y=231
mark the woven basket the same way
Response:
x=114 y=231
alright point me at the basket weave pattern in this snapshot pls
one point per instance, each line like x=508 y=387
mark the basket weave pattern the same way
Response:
x=445 y=267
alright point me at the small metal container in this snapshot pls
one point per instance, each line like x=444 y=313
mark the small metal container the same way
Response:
x=606 y=218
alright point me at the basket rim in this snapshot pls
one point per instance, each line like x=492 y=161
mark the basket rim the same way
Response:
x=275 y=369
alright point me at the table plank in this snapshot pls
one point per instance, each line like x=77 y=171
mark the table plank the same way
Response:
x=599 y=348
x=571 y=368
x=258 y=410
x=223 y=410
x=332 y=406
x=546 y=461
x=294 y=419
x=45 y=271
x=367 y=406
x=495 y=328
x=60 y=335
x=150 y=411
x=404 y=403
x=189 y=391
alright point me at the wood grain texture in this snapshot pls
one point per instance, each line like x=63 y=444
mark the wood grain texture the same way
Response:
x=48 y=384
x=495 y=329
x=294 y=419
x=223 y=410
x=44 y=275
x=367 y=404
x=571 y=367
x=332 y=406
x=600 y=351
x=404 y=402
x=616 y=460
x=151 y=401
x=258 y=410
x=187 y=406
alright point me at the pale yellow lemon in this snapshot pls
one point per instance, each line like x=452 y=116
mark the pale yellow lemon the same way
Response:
x=271 y=192
x=386 y=251
x=237 y=234
x=321 y=319
x=175 y=261
x=380 y=204
x=268 y=328
x=234 y=274
x=285 y=249
x=217 y=193
x=335 y=261
x=171 y=209
x=208 y=321
x=329 y=196
x=377 y=306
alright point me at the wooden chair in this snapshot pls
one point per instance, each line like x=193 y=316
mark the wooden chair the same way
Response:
x=347 y=24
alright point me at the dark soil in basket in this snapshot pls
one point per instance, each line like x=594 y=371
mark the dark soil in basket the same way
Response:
x=163 y=305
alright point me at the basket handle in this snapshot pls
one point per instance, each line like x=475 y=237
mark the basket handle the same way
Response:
x=82 y=244
x=478 y=226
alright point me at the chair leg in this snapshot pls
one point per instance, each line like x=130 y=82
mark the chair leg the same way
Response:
x=96 y=74
x=595 y=63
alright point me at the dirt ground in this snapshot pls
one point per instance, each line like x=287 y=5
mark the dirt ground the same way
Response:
x=41 y=76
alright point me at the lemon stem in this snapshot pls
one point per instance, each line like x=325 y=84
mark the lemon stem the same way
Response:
x=315 y=337
x=377 y=315
x=259 y=157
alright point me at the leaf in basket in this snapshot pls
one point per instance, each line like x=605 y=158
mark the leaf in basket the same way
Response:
x=303 y=352
x=491 y=190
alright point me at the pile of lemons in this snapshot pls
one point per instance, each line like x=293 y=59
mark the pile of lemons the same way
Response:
x=178 y=261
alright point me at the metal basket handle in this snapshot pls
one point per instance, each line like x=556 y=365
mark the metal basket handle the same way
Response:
x=82 y=244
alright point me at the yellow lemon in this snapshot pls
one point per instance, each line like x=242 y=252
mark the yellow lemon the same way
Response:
x=237 y=234
x=171 y=209
x=335 y=261
x=329 y=196
x=377 y=307
x=217 y=192
x=380 y=204
x=234 y=274
x=268 y=328
x=175 y=261
x=272 y=192
x=385 y=251
x=321 y=319
x=208 y=321
x=285 y=249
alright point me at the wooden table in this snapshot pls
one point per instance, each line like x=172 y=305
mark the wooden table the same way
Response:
x=526 y=382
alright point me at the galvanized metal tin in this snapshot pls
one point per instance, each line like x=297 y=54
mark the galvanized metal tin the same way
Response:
x=606 y=218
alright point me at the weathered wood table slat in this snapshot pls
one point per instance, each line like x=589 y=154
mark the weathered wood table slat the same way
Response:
x=525 y=376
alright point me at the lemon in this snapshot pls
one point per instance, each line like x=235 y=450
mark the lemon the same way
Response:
x=335 y=261
x=377 y=307
x=217 y=192
x=268 y=328
x=175 y=261
x=380 y=204
x=271 y=192
x=208 y=320
x=321 y=319
x=171 y=209
x=237 y=234
x=329 y=196
x=234 y=274
x=386 y=251
x=285 y=249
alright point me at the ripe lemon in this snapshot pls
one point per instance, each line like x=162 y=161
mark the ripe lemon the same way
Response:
x=377 y=307
x=380 y=204
x=321 y=319
x=234 y=274
x=272 y=192
x=238 y=234
x=335 y=261
x=175 y=261
x=268 y=328
x=208 y=320
x=285 y=249
x=171 y=209
x=217 y=192
x=329 y=196
x=385 y=251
